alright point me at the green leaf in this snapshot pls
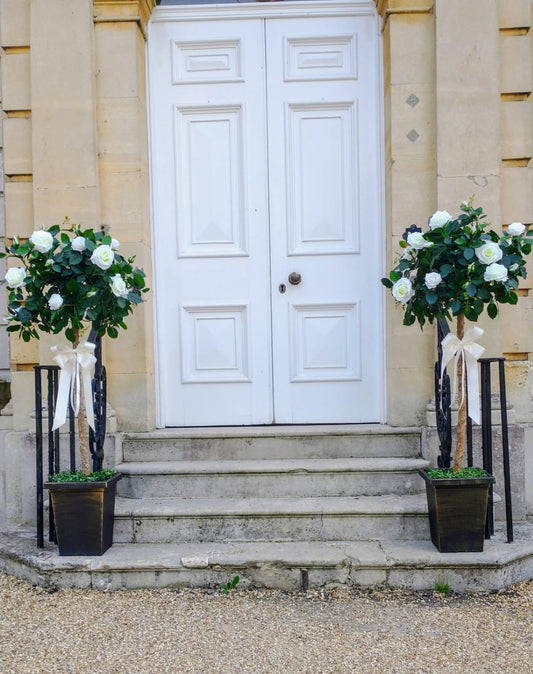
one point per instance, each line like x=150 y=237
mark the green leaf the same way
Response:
x=471 y=290
x=69 y=334
x=468 y=253
x=471 y=314
x=112 y=332
x=431 y=297
x=492 y=310
x=387 y=283
x=395 y=276
x=455 y=306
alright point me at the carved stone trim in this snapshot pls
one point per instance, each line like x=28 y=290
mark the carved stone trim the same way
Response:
x=388 y=7
x=110 y=11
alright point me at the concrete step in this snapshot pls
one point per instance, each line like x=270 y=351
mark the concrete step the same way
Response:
x=171 y=520
x=272 y=442
x=289 y=566
x=269 y=477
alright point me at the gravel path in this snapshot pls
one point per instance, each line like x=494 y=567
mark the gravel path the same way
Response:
x=193 y=631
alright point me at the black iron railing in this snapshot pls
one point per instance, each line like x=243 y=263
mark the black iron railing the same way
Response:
x=444 y=427
x=45 y=399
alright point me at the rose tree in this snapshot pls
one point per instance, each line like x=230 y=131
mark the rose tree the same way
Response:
x=68 y=279
x=458 y=268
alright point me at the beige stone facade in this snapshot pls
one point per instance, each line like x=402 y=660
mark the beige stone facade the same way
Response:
x=458 y=121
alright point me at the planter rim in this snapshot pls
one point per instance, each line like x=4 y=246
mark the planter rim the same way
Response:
x=82 y=486
x=455 y=481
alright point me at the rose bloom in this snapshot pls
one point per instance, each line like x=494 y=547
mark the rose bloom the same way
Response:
x=416 y=240
x=42 y=240
x=432 y=280
x=103 y=257
x=402 y=290
x=118 y=286
x=78 y=243
x=115 y=245
x=489 y=252
x=15 y=277
x=495 y=272
x=439 y=219
x=55 y=301
x=516 y=229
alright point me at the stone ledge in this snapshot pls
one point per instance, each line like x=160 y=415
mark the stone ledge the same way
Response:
x=293 y=566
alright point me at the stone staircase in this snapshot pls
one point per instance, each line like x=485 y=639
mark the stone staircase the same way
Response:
x=292 y=508
x=271 y=485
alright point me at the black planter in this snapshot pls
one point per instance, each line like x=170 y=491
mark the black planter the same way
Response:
x=83 y=515
x=457 y=509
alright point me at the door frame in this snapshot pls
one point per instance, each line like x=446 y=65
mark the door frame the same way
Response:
x=266 y=10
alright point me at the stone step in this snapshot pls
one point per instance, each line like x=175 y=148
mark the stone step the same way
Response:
x=271 y=477
x=172 y=520
x=272 y=442
x=289 y=566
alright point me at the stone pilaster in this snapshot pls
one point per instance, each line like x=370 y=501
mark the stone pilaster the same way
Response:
x=410 y=141
x=119 y=34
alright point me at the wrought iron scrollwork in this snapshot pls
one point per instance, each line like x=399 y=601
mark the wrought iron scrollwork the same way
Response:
x=443 y=402
x=99 y=386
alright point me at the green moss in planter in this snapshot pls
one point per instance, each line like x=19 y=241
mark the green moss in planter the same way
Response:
x=78 y=476
x=448 y=473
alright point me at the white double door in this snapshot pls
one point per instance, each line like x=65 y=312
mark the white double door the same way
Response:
x=265 y=170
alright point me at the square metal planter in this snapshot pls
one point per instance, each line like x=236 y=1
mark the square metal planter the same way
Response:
x=457 y=509
x=84 y=515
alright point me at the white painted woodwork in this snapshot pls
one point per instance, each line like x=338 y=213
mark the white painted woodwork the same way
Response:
x=266 y=160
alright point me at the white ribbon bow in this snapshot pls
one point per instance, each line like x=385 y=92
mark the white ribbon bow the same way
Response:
x=73 y=362
x=471 y=352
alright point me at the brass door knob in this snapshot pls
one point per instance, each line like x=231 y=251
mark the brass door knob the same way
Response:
x=295 y=278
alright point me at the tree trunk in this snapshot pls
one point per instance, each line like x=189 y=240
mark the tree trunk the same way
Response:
x=461 y=415
x=82 y=426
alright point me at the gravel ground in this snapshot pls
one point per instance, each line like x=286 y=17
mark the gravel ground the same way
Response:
x=193 y=631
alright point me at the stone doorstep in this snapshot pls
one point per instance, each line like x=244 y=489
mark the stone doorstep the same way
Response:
x=254 y=466
x=292 y=566
x=274 y=431
x=413 y=504
x=281 y=442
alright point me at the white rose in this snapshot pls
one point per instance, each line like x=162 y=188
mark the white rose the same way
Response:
x=489 y=252
x=118 y=286
x=115 y=245
x=402 y=290
x=78 y=243
x=416 y=240
x=495 y=272
x=103 y=257
x=432 y=280
x=15 y=277
x=55 y=301
x=42 y=240
x=516 y=229
x=439 y=219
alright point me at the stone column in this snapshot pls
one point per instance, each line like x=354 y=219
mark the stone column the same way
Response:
x=123 y=174
x=410 y=161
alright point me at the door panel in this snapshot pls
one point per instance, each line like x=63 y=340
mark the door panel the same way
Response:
x=211 y=231
x=265 y=162
x=324 y=219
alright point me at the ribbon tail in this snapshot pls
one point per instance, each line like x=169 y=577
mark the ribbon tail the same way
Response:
x=88 y=396
x=63 y=395
x=472 y=387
